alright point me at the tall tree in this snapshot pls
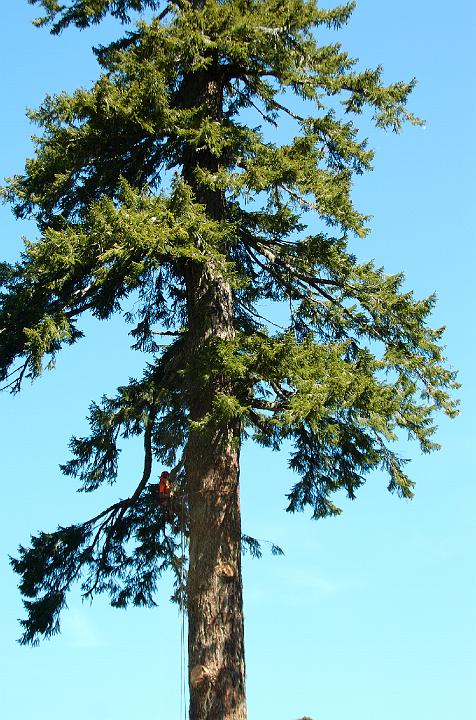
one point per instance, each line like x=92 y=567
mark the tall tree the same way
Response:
x=149 y=187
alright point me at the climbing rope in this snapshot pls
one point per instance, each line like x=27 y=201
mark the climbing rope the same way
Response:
x=183 y=659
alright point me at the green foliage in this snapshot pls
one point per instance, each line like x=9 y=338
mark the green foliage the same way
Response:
x=87 y=12
x=149 y=180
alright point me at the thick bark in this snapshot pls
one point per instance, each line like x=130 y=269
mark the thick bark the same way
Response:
x=215 y=606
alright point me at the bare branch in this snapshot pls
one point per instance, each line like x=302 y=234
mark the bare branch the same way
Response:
x=256 y=314
x=173 y=333
x=266 y=118
x=260 y=404
x=15 y=384
x=286 y=110
x=284 y=394
x=300 y=199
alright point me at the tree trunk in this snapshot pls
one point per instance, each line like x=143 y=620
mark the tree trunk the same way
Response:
x=214 y=586
x=215 y=605
x=214 y=590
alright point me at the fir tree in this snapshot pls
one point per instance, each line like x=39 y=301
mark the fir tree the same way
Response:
x=149 y=186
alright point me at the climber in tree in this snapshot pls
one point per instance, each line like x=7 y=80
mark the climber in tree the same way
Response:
x=164 y=487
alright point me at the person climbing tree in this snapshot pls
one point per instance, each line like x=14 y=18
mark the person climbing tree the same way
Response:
x=154 y=198
x=164 y=486
x=165 y=499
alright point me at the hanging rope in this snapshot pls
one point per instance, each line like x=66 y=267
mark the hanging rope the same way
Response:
x=183 y=659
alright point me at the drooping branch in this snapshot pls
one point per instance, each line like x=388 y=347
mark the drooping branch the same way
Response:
x=115 y=513
x=100 y=545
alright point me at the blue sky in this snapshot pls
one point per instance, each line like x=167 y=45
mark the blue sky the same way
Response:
x=367 y=616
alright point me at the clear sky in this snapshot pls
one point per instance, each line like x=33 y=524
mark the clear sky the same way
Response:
x=369 y=616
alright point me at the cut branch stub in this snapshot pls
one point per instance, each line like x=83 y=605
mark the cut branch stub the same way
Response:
x=200 y=674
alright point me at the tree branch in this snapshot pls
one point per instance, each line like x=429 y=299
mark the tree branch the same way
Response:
x=15 y=384
x=289 y=112
x=115 y=513
x=260 y=404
